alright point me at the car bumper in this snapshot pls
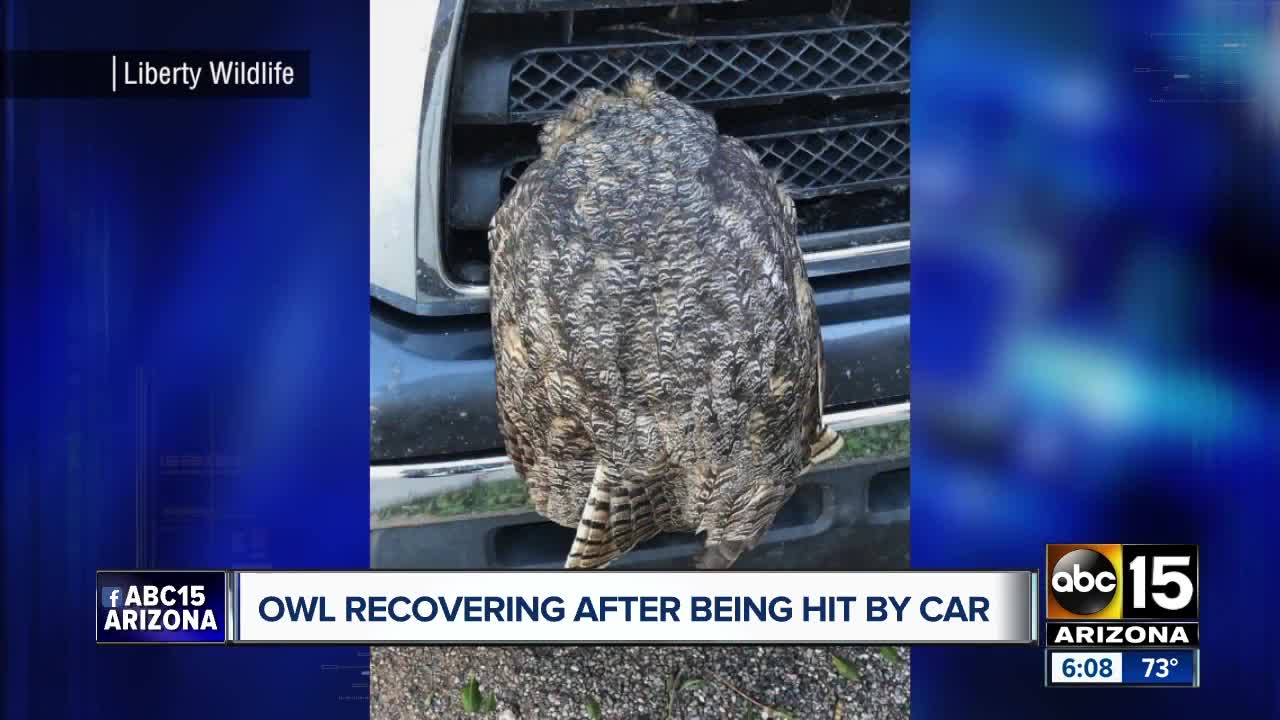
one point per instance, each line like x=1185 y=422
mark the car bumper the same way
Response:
x=851 y=512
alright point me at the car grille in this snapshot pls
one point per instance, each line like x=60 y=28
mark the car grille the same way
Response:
x=821 y=99
x=720 y=69
x=821 y=161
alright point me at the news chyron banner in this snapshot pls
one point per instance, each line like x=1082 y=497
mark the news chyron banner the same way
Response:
x=1122 y=615
x=568 y=607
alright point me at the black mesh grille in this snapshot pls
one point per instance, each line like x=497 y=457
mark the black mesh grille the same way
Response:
x=819 y=162
x=867 y=58
x=839 y=159
x=821 y=99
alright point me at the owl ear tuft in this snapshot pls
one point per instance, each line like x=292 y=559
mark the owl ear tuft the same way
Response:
x=557 y=131
x=642 y=85
x=584 y=105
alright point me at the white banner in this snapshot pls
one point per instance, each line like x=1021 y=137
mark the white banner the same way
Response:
x=635 y=607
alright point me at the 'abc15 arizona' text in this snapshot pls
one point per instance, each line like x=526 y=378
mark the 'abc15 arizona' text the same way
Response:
x=1123 y=595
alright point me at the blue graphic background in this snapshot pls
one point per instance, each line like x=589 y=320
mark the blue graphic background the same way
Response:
x=184 y=331
x=185 y=356
x=1094 y=311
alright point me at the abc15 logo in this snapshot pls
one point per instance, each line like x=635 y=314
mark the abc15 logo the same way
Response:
x=1112 y=582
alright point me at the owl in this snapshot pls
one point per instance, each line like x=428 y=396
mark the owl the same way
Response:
x=657 y=347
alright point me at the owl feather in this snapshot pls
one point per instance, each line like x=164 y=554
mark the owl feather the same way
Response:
x=658 y=352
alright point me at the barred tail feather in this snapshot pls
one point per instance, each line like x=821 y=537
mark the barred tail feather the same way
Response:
x=592 y=546
x=634 y=514
x=826 y=445
x=615 y=518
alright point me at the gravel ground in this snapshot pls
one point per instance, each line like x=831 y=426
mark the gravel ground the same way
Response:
x=633 y=682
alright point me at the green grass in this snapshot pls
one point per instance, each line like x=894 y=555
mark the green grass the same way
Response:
x=877 y=441
x=481 y=498
x=891 y=655
x=475 y=701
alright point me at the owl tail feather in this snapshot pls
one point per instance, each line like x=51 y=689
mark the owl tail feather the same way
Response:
x=825 y=446
x=617 y=516
x=592 y=546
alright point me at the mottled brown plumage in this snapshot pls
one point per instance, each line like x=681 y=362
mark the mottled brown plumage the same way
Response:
x=659 y=362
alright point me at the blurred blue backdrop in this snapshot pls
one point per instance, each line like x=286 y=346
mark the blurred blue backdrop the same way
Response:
x=1095 y=204
x=184 y=359
x=1094 y=303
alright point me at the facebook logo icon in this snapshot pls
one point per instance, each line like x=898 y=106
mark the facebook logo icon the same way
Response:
x=112 y=597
